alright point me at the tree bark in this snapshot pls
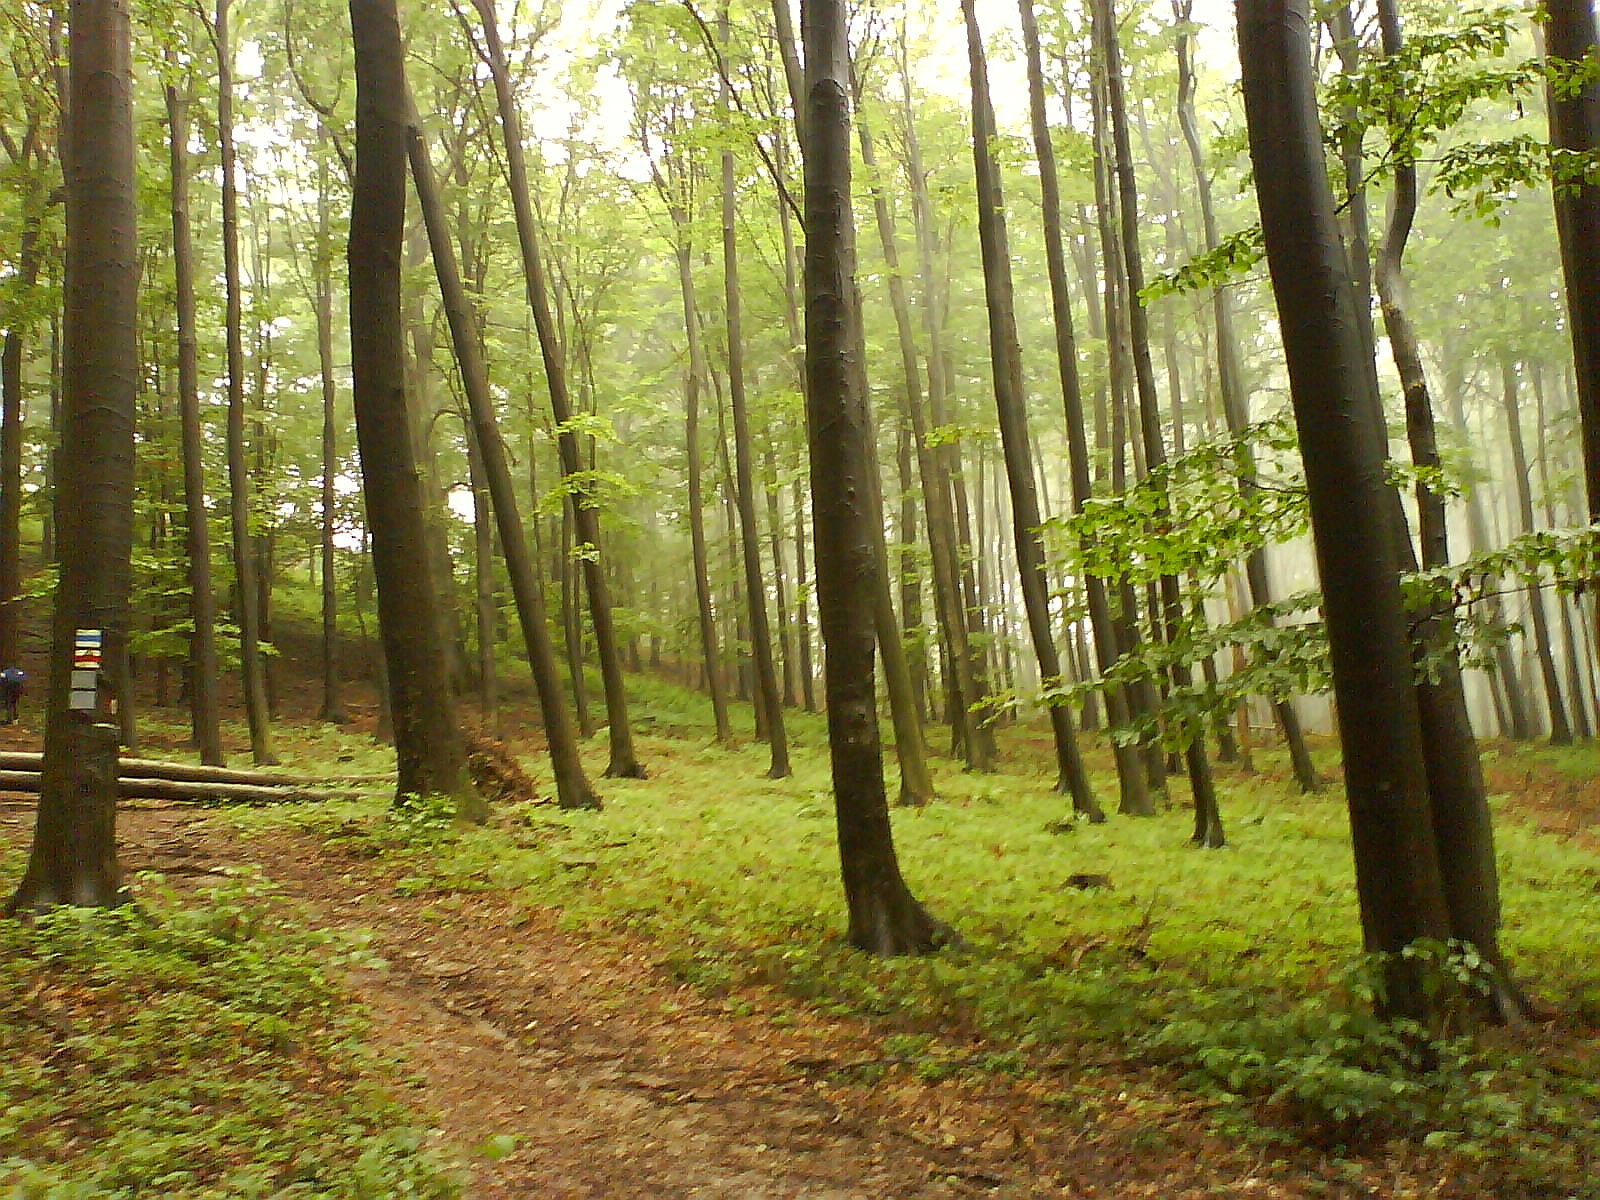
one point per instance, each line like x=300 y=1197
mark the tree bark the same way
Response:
x=1570 y=36
x=204 y=715
x=333 y=710
x=429 y=748
x=573 y=790
x=1131 y=779
x=1560 y=731
x=624 y=763
x=1230 y=383
x=693 y=380
x=749 y=532
x=247 y=600
x=1207 y=815
x=73 y=859
x=1397 y=868
x=1010 y=405
x=885 y=918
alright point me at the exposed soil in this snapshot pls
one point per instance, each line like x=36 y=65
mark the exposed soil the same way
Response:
x=616 y=1080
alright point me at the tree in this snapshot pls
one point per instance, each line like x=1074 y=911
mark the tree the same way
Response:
x=1574 y=101
x=1400 y=840
x=429 y=748
x=74 y=855
x=885 y=918
x=624 y=762
x=204 y=714
x=247 y=597
x=1006 y=357
x=573 y=789
x=767 y=696
x=1131 y=778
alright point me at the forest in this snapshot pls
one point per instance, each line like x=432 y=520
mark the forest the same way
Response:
x=849 y=598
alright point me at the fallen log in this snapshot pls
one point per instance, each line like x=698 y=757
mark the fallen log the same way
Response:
x=149 y=788
x=149 y=768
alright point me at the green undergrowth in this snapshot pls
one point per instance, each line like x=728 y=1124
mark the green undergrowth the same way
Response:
x=1237 y=974
x=194 y=1046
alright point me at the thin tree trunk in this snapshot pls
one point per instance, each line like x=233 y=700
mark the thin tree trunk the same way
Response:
x=1560 y=731
x=204 y=714
x=624 y=763
x=573 y=790
x=1131 y=778
x=1208 y=818
x=333 y=709
x=803 y=607
x=693 y=379
x=1009 y=402
x=770 y=701
x=246 y=593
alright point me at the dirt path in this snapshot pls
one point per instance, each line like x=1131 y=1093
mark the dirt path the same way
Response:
x=614 y=1081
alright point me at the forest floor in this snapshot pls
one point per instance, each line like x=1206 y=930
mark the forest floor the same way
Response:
x=560 y=1059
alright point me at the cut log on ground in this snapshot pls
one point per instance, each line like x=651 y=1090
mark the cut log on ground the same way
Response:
x=148 y=768
x=146 y=788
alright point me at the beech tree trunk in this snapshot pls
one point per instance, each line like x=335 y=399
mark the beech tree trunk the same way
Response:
x=767 y=695
x=1131 y=778
x=1006 y=355
x=1570 y=36
x=204 y=716
x=73 y=859
x=1207 y=815
x=885 y=918
x=1398 y=875
x=624 y=763
x=1560 y=731
x=693 y=380
x=1230 y=383
x=333 y=710
x=429 y=748
x=247 y=598
x=573 y=790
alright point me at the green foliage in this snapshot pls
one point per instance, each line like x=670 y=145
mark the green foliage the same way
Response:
x=189 y=1047
x=1233 y=257
x=1263 y=1009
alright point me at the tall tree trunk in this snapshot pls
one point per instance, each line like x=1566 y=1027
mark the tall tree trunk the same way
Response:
x=247 y=599
x=624 y=764
x=1462 y=826
x=1230 y=382
x=73 y=859
x=1517 y=725
x=483 y=580
x=1208 y=818
x=1560 y=731
x=204 y=715
x=1570 y=37
x=972 y=677
x=573 y=790
x=429 y=749
x=749 y=532
x=333 y=709
x=693 y=380
x=18 y=327
x=1010 y=405
x=1336 y=406
x=802 y=604
x=1131 y=778
x=885 y=918
x=572 y=619
x=779 y=574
